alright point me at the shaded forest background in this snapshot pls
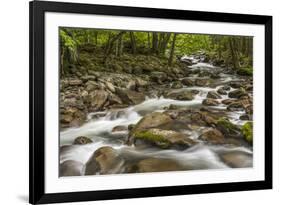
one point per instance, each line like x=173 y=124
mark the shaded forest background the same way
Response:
x=142 y=52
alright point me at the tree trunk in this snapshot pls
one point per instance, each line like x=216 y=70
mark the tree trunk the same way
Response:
x=154 y=42
x=96 y=38
x=133 y=43
x=110 y=45
x=120 y=46
x=148 y=41
x=170 y=61
x=164 y=43
x=61 y=61
x=234 y=55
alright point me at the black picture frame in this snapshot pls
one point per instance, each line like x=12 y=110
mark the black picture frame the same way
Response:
x=37 y=101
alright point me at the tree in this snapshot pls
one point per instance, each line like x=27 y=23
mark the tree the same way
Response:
x=111 y=41
x=133 y=43
x=170 y=61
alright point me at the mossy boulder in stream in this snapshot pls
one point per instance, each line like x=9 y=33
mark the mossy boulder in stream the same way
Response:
x=163 y=139
x=228 y=128
x=247 y=131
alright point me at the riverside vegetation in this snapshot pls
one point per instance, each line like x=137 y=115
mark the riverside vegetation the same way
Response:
x=133 y=102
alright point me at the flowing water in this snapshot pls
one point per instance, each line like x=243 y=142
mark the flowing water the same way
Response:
x=99 y=129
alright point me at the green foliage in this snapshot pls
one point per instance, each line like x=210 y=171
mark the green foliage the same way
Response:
x=224 y=122
x=68 y=45
x=247 y=131
x=248 y=71
x=232 y=51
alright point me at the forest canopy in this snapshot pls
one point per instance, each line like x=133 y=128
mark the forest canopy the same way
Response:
x=107 y=45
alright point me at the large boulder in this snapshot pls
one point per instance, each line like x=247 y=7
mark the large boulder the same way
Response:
x=152 y=120
x=156 y=165
x=70 y=168
x=213 y=136
x=163 y=139
x=97 y=99
x=247 y=131
x=129 y=96
x=158 y=77
x=105 y=160
x=237 y=93
x=237 y=159
x=228 y=128
x=183 y=95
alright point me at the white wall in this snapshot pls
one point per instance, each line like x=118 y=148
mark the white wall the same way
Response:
x=14 y=100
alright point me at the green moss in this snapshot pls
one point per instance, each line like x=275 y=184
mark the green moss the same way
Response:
x=225 y=123
x=247 y=131
x=248 y=71
x=153 y=138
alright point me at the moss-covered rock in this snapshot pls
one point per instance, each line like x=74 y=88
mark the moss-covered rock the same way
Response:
x=228 y=128
x=247 y=131
x=245 y=71
x=163 y=139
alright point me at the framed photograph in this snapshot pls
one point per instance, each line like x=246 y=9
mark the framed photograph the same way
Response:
x=140 y=102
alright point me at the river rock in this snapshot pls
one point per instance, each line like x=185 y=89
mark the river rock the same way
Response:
x=152 y=120
x=158 y=77
x=228 y=128
x=110 y=86
x=129 y=96
x=119 y=128
x=70 y=168
x=182 y=95
x=237 y=93
x=245 y=117
x=105 y=160
x=156 y=165
x=247 y=131
x=235 y=84
x=221 y=91
x=201 y=82
x=228 y=101
x=187 y=82
x=176 y=85
x=226 y=88
x=210 y=102
x=163 y=139
x=75 y=82
x=213 y=136
x=237 y=159
x=97 y=99
x=235 y=106
x=213 y=95
x=71 y=116
x=82 y=140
